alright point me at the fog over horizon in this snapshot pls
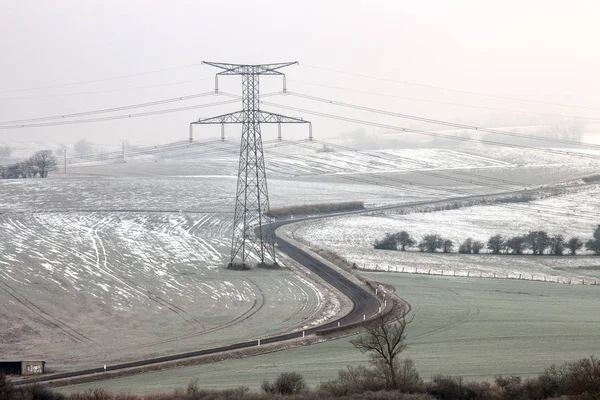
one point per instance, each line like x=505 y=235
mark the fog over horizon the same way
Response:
x=427 y=59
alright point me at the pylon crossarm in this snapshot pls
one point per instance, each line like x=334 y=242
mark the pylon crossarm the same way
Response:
x=229 y=118
x=244 y=69
x=266 y=117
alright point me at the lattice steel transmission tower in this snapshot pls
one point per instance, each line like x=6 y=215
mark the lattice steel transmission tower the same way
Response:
x=252 y=231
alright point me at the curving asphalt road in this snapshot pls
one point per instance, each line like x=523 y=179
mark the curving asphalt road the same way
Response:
x=364 y=303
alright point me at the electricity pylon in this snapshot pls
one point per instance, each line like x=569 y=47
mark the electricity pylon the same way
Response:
x=252 y=231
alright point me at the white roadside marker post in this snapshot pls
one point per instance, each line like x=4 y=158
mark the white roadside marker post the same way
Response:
x=258 y=342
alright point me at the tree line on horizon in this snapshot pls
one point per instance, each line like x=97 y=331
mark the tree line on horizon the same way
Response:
x=36 y=166
x=537 y=242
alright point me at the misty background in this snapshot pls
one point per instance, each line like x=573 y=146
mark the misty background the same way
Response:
x=429 y=59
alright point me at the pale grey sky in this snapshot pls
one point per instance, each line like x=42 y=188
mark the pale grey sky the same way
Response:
x=538 y=50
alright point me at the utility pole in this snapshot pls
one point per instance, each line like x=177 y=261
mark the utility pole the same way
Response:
x=65 y=159
x=252 y=197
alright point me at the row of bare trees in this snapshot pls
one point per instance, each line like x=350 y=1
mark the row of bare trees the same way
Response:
x=38 y=165
x=535 y=242
x=539 y=243
x=403 y=241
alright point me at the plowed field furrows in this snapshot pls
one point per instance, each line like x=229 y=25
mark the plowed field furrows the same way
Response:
x=82 y=289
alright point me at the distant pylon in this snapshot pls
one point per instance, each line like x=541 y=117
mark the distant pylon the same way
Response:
x=252 y=231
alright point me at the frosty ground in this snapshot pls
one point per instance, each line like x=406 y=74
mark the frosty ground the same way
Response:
x=475 y=328
x=570 y=214
x=120 y=262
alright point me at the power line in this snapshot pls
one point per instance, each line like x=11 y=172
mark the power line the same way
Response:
x=427 y=133
x=447 y=89
x=105 y=91
x=99 y=80
x=440 y=122
x=442 y=102
x=107 y=110
x=145 y=114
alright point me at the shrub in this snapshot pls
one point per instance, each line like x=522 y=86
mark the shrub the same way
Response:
x=192 y=389
x=318 y=208
x=358 y=379
x=6 y=387
x=288 y=383
x=450 y=388
x=408 y=377
x=389 y=242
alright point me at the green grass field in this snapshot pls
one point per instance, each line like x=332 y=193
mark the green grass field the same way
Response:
x=474 y=327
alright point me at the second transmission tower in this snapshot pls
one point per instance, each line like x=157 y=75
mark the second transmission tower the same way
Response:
x=252 y=232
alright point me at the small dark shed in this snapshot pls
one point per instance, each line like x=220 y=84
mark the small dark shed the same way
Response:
x=22 y=367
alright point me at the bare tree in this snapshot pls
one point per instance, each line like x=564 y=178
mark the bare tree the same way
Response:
x=477 y=246
x=557 y=245
x=404 y=240
x=538 y=241
x=384 y=341
x=516 y=244
x=83 y=147
x=431 y=243
x=43 y=161
x=447 y=246
x=496 y=244
x=389 y=242
x=466 y=247
x=574 y=244
x=594 y=244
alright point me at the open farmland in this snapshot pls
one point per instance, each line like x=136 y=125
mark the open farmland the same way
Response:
x=135 y=252
x=83 y=289
x=571 y=214
x=477 y=328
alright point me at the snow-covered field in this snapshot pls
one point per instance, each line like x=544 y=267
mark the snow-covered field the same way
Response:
x=80 y=289
x=572 y=214
x=118 y=262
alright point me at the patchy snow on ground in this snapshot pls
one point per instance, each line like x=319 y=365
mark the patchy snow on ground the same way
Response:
x=572 y=214
x=118 y=262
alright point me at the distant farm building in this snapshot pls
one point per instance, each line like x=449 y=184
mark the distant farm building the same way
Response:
x=22 y=367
